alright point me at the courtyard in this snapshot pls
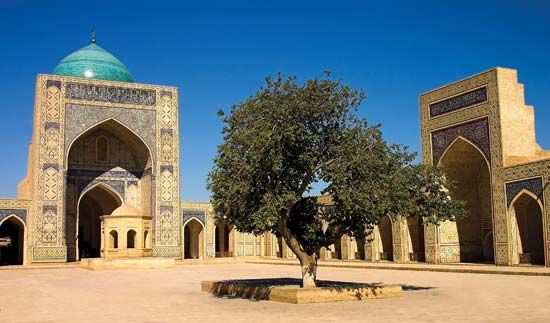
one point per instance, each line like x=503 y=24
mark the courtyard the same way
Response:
x=73 y=294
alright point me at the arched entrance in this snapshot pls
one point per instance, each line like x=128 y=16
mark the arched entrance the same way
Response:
x=12 y=235
x=112 y=155
x=415 y=227
x=224 y=240
x=359 y=248
x=146 y=240
x=113 y=239
x=464 y=164
x=99 y=200
x=131 y=239
x=385 y=239
x=193 y=239
x=527 y=229
x=337 y=249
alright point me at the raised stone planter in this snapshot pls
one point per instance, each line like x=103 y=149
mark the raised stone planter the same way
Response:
x=288 y=290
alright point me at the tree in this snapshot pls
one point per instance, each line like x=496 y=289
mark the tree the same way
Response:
x=288 y=138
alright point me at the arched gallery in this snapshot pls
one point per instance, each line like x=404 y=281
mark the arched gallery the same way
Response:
x=103 y=178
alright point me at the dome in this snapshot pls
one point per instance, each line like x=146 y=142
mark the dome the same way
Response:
x=125 y=209
x=93 y=62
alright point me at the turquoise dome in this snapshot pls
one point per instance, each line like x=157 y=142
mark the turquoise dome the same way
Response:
x=93 y=62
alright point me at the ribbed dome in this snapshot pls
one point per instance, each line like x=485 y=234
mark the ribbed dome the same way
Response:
x=93 y=62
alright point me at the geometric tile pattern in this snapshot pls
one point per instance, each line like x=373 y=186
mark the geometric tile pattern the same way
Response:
x=169 y=226
x=111 y=94
x=51 y=144
x=166 y=183
x=50 y=183
x=476 y=131
x=22 y=214
x=166 y=146
x=47 y=254
x=49 y=225
x=166 y=109
x=53 y=100
x=167 y=251
x=459 y=102
x=82 y=117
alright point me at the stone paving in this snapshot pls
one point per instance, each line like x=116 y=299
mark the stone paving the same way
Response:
x=173 y=295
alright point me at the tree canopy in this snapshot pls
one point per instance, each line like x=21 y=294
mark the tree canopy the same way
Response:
x=289 y=138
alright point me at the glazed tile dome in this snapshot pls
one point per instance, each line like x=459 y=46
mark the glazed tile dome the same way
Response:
x=93 y=62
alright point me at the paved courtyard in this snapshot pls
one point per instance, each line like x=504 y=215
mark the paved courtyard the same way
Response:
x=79 y=295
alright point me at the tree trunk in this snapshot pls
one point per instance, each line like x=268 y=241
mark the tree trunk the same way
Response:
x=308 y=262
x=309 y=271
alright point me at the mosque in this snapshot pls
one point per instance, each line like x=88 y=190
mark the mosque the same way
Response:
x=103 y=177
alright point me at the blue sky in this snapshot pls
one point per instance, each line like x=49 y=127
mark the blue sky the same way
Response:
x=218 y=52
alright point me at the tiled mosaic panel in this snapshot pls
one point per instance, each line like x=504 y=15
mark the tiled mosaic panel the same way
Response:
x=188 y=214
x=170 y=251
x=476 y=131
x=459 y=102
x=49 y=254
x=112 y=94
x=22 y=214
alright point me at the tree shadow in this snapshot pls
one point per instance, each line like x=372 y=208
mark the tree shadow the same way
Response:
x=408 y=288
x=260 y=289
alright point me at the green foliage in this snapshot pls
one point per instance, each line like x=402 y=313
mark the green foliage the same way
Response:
x=288 y=137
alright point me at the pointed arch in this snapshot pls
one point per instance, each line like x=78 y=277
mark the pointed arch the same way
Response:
x=385 y=232
x=16 y=218
x=15 y=229
x=146 y=239
x=107 y=188
x=457 y=140
x=97 y=200
x=130 y=159
x=530 y=194
x=113 y=239
x=224 y=239
x=337 y=250
x=466 y=164
x=131 y=239
x=193 y=238
x=415 y=238
x=102 y=122
x=194 y=218
x=526 y=216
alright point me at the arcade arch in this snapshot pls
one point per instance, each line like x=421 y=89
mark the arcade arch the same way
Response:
x=385 y=239
x=466 y=165
x=13 y=229
x=526 y=224
x=224 y=239
x=193 y=237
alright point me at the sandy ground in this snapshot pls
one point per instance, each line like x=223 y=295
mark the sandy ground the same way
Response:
x=173 y=295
